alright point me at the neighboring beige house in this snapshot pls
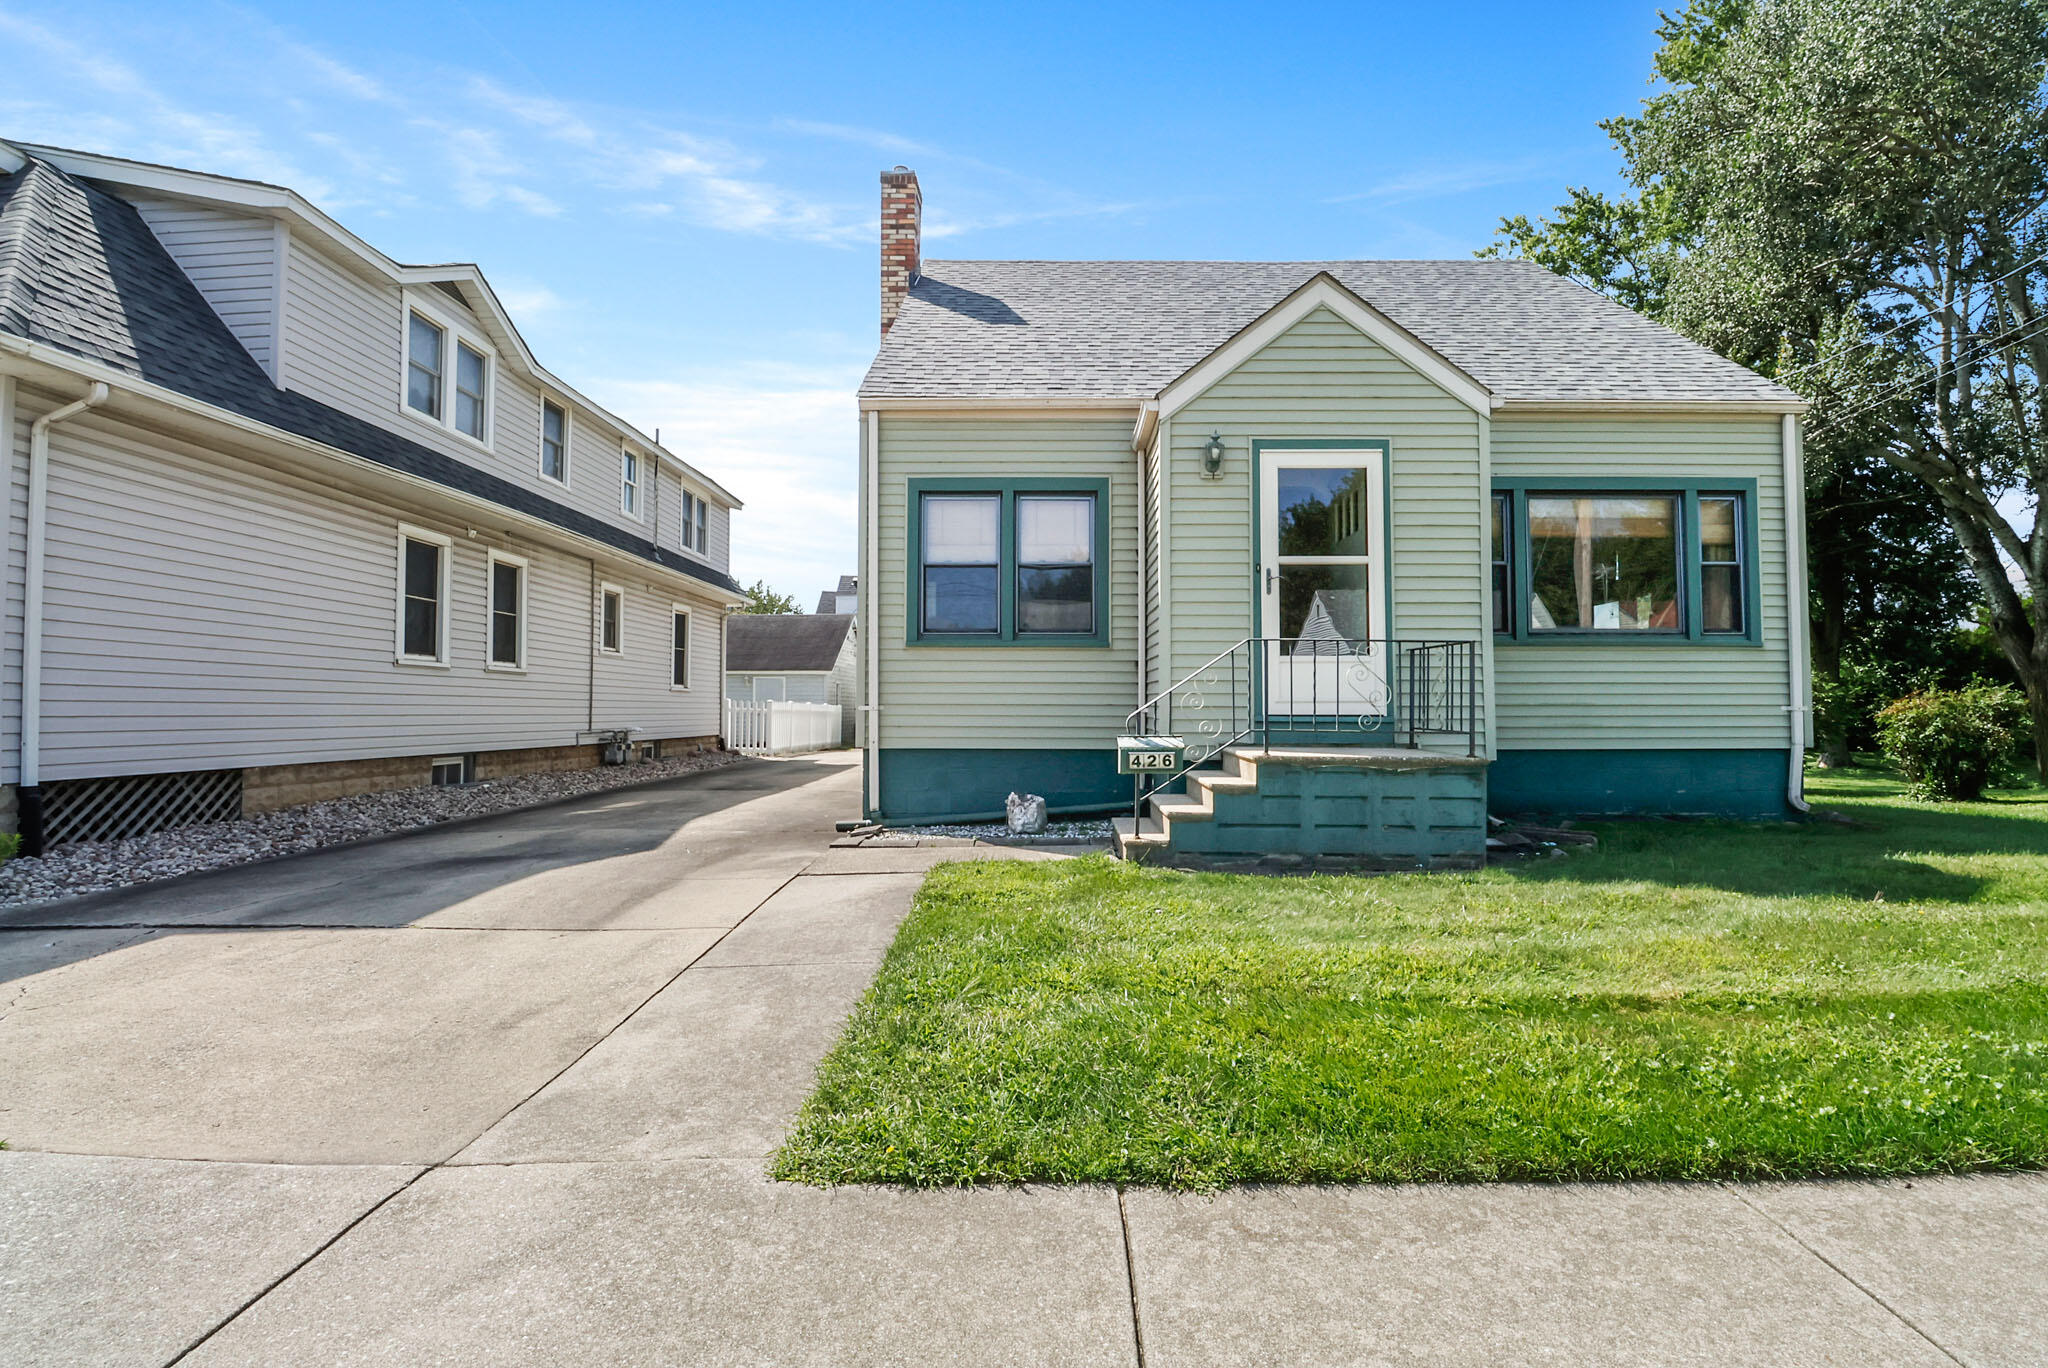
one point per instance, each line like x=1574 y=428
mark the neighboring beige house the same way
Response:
x=294 y=520
x=796 y=658
x=1361 y=545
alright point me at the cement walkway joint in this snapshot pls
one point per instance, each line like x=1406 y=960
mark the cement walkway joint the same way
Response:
x=518 y=1142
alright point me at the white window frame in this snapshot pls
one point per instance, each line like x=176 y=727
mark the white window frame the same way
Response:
x=490 y=366
x=689 y=503
x=540 y=454
x=492 y=560
x=439 y=660
x=453 y=331
x=688 y=615
x=440 y=374
x=631 y=492
x=607 y=591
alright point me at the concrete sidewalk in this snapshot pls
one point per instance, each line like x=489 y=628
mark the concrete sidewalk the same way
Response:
x=399 y=1111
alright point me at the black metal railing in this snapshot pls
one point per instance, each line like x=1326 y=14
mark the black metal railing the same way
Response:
x=1306 y=691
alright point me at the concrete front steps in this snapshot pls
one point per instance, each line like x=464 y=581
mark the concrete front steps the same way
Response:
x=1366 y=806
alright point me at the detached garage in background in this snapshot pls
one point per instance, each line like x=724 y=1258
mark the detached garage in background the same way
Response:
x=797 y=658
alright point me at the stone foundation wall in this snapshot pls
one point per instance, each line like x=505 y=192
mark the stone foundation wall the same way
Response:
x=270 y=787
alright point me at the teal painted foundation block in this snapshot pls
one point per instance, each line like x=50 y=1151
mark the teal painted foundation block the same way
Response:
x=1748 y=785
x=1398 y=817
x=933 y=784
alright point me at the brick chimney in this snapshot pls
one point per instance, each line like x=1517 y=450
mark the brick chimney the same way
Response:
x=902 y=217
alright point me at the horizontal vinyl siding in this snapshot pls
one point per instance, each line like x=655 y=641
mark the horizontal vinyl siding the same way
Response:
x=1323 y=379
x=232 y=258
x=204 y=612
x=1631 y=695
x=343 y=345
x=1007 y=697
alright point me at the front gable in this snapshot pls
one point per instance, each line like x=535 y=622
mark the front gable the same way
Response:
x=1323 y=295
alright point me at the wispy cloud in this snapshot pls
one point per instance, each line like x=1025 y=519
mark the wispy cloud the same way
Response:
x=779 y=437
x=162 y=126
x=1459 y=179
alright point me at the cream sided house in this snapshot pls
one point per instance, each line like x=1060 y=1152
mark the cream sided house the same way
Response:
x=1345 y=552
x=293 y=520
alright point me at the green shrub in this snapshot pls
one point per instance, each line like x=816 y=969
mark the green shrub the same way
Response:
x=10 y=845
x=1951 y=743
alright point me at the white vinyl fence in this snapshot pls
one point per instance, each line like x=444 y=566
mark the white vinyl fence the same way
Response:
x=774 y=727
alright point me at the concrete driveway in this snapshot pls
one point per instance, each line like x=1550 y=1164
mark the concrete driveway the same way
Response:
x=502 y=1094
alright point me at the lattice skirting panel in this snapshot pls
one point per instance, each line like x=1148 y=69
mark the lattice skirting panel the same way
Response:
x=137 y=804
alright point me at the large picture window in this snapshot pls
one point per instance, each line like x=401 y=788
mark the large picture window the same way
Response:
x=1571 y=560
x=1603 y=563
x=1014 y=562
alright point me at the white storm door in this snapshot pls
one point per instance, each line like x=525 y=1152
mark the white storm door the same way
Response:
x=1322 y=576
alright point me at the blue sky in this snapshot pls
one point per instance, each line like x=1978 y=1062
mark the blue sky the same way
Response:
x=678 y=202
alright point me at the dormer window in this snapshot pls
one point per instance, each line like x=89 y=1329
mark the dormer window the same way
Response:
x=554 y=441
x=471 y=367
x=426 y=351
x=447 y=368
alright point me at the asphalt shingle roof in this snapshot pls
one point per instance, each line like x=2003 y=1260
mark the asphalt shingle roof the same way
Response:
x=1126 y=329
x=766 y=643
x=81 y=272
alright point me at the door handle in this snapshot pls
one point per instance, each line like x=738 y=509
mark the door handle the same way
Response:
x=1269 y=579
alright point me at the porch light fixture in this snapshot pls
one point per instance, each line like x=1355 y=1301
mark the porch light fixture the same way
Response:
x=1212 y=456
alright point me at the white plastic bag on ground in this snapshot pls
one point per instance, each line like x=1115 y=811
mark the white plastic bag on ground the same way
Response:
x=1025 y=813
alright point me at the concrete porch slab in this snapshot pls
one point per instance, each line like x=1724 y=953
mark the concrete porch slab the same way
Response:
x=715 y=1067
x=1965 y=1259
x=116 y=1262
x=700 y=1263
x=360 y=1046
x=1494 y=1275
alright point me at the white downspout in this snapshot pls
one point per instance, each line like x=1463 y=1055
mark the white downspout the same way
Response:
x=1796 y=643
x=871 y=596
x=29 y=781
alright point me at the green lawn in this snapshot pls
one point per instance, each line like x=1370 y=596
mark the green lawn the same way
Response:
x=1691 y=1000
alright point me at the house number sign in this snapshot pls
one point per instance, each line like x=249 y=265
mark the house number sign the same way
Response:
x=1150 y=754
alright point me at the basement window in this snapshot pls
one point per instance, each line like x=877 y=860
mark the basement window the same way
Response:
x=453 y=771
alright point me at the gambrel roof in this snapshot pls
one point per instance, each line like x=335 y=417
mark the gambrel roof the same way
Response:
x=80 y=272
x=1125 y=330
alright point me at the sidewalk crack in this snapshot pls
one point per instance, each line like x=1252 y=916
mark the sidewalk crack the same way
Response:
x=1123 y=1218
x=1847 y=1277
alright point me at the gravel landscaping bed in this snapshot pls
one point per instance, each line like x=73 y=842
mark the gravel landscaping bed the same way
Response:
x=95 y=866
x=998 y=831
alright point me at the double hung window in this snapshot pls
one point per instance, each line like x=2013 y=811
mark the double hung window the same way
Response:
x=1015 y=562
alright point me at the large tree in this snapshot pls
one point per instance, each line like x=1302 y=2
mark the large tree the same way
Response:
x=762 y=599
x=1846 y=193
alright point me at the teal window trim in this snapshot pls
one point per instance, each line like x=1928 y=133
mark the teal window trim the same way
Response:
x=1007 y=490
x=1689 y=492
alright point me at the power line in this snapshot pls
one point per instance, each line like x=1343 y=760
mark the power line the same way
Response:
x=1922 y=315
x=2025 y=334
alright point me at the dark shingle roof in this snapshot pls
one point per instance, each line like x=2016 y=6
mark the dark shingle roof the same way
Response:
x=757 y=643
x=1126 y=329
x=828 y=599
x=81 y=272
